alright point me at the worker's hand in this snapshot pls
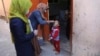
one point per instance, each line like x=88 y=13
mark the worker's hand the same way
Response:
x=50 y=21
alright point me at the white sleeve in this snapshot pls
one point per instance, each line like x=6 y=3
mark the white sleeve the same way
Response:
x=30 y=25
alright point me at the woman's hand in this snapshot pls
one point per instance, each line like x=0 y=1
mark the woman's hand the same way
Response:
x=50 y=21
x=35 y=32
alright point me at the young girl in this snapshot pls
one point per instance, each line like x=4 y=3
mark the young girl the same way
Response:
x=55 y=36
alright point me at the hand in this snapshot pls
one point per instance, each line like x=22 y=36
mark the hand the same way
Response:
x=51 y=21
x=35 y=32
x=50 y=38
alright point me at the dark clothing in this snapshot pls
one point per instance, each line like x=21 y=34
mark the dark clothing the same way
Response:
x=36 y=18
x=22 y=41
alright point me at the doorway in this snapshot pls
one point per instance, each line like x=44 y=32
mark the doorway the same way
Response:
x=61 y=10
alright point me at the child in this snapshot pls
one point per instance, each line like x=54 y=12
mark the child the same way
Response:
x=55 y=36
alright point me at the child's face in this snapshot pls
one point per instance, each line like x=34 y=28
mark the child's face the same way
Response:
x=56 y=23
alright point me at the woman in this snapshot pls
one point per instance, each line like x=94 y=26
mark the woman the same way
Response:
x=36 y=18
x=19 y=27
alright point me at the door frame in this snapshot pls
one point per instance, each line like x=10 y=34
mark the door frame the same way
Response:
x=71 y=24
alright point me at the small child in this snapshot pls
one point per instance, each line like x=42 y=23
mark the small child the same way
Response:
x=55 y=36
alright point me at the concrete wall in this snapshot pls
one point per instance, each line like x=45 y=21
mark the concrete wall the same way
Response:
x=7 y=4
x=86 y=28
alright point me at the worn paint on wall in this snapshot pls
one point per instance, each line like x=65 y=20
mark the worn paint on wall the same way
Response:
x=86 y=28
